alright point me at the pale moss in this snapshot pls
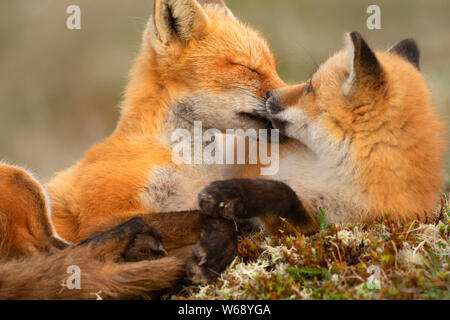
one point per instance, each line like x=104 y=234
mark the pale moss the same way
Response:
x=415 y=251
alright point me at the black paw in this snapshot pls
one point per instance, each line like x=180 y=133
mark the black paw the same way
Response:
x=222 y=199
x=132 y=241
x=146 y=245
x=215 y=251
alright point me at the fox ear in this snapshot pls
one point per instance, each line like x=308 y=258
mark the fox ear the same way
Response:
x=409 y=50
x=364 y=68
x=176 y=21
x=218 y=5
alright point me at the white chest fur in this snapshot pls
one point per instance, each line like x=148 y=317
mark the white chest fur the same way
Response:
x=173 y=189
x=325 y=181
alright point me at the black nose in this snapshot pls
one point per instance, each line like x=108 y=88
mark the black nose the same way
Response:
x=269 y=94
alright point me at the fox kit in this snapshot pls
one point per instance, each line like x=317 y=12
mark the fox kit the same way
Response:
x=197 y=63
x=366 y=143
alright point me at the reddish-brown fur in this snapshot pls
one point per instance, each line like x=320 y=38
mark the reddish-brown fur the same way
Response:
x=104 y=188
x=24 y=224
x=44 y=276
x=34 y=262
x=107 y=182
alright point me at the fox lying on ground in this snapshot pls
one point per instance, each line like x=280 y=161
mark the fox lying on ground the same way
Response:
x=366 y=143
x=197 y=63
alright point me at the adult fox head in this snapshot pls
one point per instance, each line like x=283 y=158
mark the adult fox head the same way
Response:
x=199 y=61
x=373 y=108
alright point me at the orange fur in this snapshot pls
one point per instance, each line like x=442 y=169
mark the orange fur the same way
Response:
x=108 y=181
x=34 y=261
x=43 y=277
x=214 y=53
x=25 y=227
x=396 y=138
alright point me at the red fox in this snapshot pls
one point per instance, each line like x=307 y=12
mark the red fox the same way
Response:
x=197 y=63
x=366 y=142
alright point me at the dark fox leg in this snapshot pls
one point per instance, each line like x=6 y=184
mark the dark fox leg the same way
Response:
x=132 y=241
x=46 y=276
x=180 y=231
x=218 y=236
x=126 y=262
x=191 y=237
x=272 y=202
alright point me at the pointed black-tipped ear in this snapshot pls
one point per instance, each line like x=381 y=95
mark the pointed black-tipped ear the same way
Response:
x=409 y=50
x=364 y=70
x=175 y=21
x=365 y=63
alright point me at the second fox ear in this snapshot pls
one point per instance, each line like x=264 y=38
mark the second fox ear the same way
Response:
x=176 y=21
x=409 y=50
x=364 y=68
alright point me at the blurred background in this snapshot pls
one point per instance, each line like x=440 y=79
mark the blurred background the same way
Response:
x=60 y=89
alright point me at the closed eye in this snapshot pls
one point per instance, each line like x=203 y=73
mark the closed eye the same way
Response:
x=309 y=88
x=246 y=67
